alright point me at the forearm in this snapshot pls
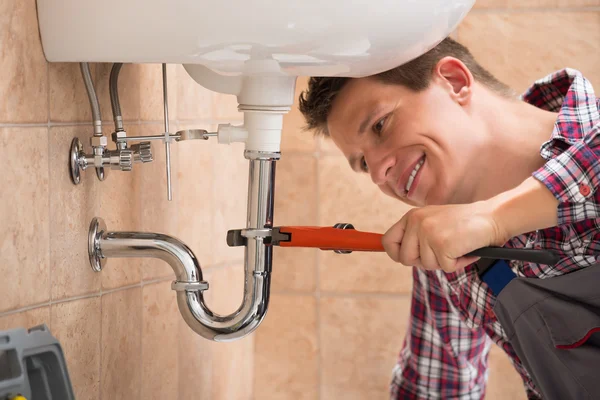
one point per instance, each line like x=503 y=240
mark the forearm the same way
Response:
x=526 y=208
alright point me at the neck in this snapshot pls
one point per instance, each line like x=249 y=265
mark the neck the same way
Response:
x=515 y=130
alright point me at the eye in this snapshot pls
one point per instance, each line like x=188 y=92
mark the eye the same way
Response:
x=378 y=127
x=363 y=165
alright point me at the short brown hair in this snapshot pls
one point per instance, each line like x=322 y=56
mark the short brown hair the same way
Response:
x=315 y=103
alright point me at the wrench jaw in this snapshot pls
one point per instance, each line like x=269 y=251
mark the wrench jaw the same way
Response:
x=236 y=237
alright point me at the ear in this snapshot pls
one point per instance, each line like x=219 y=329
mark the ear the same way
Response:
x=454 y=75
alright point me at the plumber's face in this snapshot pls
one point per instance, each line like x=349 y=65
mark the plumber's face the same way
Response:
x=416 y=146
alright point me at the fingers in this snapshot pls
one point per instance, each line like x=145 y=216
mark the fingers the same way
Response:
x=446 y=263
x=392 y=239
x=421 y=239
x=402 y=244
x=428 y=258
x=409 y=253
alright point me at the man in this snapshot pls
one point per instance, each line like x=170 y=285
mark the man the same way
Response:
x=483 y=167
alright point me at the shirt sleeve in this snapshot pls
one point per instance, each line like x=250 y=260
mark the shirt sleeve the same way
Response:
x=573 y=177
x=441 y=358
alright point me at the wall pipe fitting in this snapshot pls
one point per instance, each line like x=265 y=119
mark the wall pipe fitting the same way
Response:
x=189 y=283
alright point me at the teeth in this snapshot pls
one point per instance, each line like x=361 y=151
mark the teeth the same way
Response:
x=411 y=178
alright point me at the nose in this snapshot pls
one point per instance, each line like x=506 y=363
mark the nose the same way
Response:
x=380 y=167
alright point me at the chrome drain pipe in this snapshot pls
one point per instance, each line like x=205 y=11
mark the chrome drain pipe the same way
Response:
x=189 y=283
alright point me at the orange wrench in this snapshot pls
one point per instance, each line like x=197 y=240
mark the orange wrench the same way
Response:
x=344 y=239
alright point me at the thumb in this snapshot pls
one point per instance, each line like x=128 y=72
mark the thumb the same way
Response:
x=392 y=239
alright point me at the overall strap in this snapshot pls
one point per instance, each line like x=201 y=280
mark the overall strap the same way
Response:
x=495 y=273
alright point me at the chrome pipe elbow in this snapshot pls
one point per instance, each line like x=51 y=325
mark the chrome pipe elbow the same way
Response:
x=189 y=283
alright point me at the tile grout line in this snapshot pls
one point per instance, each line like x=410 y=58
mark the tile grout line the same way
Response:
x=24 y=125
x=354 y=295
x=100 y=293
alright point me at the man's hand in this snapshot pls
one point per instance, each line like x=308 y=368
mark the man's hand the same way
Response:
x=438 y=237
x=435 y=237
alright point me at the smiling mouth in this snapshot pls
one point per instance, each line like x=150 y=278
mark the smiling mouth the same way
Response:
x=413 y=174
x=411 y=180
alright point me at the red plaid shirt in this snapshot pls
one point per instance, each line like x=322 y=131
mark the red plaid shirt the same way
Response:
x=445 y=351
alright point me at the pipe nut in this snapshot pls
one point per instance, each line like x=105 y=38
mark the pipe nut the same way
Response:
x=119 y=135
x=99 y=141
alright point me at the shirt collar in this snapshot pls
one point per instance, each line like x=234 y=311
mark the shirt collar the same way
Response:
x=570 y=94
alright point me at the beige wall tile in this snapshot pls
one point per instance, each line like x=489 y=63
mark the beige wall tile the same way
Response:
x=295 y=191
x=230 y=189
x=530 y=45
x=76 y=324
x=24 y=212
x=363 y=272
x=295 y=204
x=155 y=212
x=26 y=319
x=217 y=370
x=294 y=269
x=504 y=381
x=226 y=290
x=293 y=137
x=129 y=91
x=72 y=208
x=326 y=146
x=194 y=196
x=286 y=359
x=118 y=208
x=548 y=4
x=194 y=102
x=151 y=92
x=232 y=375
x=121 y=344
x=346 y=196
x=159 y=342
x=24 y=83
x=195 y=364
x=196 y=356
x=360 y=339
x=69 y=101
